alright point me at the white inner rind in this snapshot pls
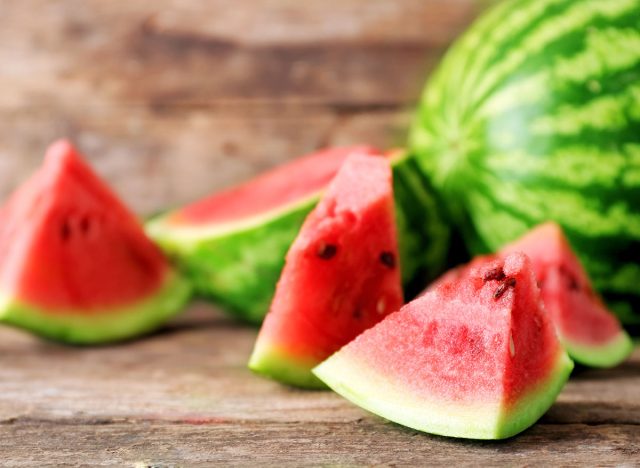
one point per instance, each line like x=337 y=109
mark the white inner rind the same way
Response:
x=608 y=355
x=163 y=229
x=373 y=391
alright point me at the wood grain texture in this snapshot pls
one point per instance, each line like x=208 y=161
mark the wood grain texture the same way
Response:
x=184 y=397
x=174 y=99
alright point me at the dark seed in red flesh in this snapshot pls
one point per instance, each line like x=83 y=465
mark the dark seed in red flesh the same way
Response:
x=508 y=283
x=65 y=231
x=327 y=251
x=573 y=282
x=388 y=259
x=85 y=225
x=495 y=274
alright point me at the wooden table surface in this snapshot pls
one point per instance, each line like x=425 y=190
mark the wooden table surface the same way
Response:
x=184 y=397
x=170 y=100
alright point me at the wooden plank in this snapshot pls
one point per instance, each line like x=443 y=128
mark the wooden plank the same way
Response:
x=156 y=159
x=196 y=371
x=172 y=100
x=166 y=52
x=185 y=397
x=361 y=443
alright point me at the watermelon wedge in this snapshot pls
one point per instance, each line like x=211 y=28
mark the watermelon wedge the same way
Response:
x=233 y=244
x=341 y=276
x=75 y=265
x=477 y=358
x=591 y=334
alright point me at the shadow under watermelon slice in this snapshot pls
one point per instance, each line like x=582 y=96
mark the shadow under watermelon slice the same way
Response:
x=75 y=264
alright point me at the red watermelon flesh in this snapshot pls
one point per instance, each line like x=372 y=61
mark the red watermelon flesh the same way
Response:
x=70 y=215
x=341 y=275
x=70 y=249
x=474 y=358
x=273 y=190
x=591 y=333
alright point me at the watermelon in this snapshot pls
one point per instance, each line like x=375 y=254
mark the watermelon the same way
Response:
x=475 y=358
x=233 y=244
x=342 y=275
x=75 y=265
x=590 y=333
x=534 y=115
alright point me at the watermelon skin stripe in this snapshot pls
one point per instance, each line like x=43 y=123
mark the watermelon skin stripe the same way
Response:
x=533 y=51
x=588 y=71
x=424 y=235
x=536 y=40
x=534 y=115
x=236 y=269
x=238 y=266
x=596 y=249
x=100 y=326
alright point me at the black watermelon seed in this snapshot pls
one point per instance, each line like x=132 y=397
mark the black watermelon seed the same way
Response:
x=388 y=259
x=65 y=230
x=327 y=251
x=85 y=224
x=495 y=274
x=508 y=283
x=573 y=282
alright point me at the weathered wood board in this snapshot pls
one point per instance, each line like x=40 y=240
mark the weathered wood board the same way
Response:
x=184 y=397
x=173 y=99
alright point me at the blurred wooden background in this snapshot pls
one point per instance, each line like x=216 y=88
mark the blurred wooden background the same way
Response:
x=173 y=99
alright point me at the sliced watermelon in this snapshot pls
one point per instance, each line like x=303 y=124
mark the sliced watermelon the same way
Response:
x=477 y=358
x=75 y=265
x=341 y=277
x=233 y=244
x=591 y=334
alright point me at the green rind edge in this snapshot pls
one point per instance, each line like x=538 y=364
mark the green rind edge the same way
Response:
x=526 y=412
x=103 y=326
x=285 y=368
x=238 y=266
x=238 y=269
x=346 y=377
x=608 y=355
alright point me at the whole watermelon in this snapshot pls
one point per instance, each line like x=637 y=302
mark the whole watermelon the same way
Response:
x=534 y=115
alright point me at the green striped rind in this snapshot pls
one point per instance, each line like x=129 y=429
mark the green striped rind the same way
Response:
x=607 y=355
x=359 y=383
x=238 y=265
x=423 y=233
x=101 y=326
x=534 y=115
x=238 y=269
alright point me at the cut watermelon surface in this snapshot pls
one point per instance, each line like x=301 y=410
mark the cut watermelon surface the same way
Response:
x=75 y=265
x=342 y=275
x=477 y=358
x=233 y=244
x=590 y=332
